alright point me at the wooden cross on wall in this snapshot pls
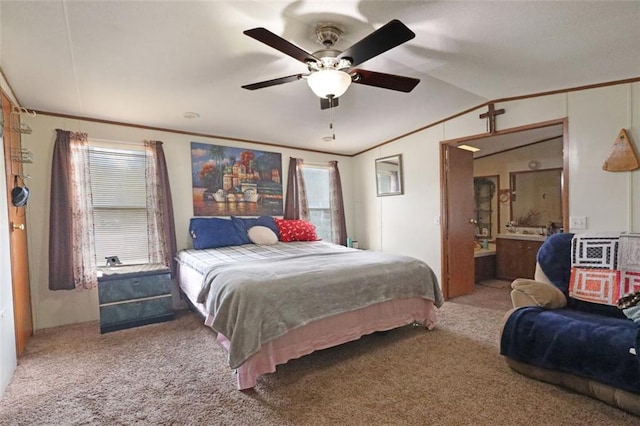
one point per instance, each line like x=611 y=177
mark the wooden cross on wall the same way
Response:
x=491 y=116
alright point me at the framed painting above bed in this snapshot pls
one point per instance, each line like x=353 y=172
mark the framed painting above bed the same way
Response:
x=230 y=181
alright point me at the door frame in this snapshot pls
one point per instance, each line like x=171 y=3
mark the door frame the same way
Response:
x=18 y=241
x=444 y=213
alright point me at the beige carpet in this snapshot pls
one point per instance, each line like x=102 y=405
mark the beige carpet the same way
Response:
x=174 y=373
x=495 y=283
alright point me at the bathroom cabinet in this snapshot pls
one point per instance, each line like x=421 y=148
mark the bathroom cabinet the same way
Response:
x=516 y=256
x=485 y=267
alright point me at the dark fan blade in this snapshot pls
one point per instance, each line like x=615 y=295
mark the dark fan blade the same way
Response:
x=384 y=38
x=386 y=81
x=329 y=103
x=278 y=43
x=273 y=82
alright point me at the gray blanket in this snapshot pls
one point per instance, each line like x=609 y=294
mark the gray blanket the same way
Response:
x=253 y=303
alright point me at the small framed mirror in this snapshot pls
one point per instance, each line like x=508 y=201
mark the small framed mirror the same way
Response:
x=389 y=175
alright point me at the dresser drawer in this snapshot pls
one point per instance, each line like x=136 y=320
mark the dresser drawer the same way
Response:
x=134 y=313
x=134 y=287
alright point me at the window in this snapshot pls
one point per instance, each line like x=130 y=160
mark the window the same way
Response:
x=316 y=180
x=119 y=203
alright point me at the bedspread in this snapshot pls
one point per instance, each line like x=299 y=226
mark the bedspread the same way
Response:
x=257 y=301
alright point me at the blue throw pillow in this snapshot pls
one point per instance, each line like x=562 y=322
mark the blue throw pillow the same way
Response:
x=243 y=224
x=268 y=222
x=211 y=232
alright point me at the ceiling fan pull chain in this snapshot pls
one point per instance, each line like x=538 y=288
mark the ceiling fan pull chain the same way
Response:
x=333 y=133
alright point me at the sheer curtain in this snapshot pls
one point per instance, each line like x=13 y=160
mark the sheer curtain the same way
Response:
x=338 y=222
x=72 y=260
x=160 y=223
x=296 y=204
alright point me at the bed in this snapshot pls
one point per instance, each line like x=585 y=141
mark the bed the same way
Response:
x=272 y=303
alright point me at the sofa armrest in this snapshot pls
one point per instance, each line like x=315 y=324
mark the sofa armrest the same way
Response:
x=536 y=293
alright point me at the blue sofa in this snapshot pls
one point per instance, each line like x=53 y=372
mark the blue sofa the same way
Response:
x=587 y=347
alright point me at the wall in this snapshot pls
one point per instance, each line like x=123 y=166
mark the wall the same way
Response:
x=404 y=224
x=7 y=329
x=53 y=308
x=8 y=357
x=610 y=201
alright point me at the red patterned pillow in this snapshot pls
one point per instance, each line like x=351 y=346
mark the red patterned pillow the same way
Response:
x=296 y=230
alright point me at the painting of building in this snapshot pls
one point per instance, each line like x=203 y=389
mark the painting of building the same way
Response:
x=235 y=181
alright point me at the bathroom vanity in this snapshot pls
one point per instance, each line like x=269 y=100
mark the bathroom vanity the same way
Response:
x=516 y=255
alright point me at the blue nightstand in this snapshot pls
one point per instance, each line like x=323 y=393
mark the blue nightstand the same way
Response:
x=134 y=295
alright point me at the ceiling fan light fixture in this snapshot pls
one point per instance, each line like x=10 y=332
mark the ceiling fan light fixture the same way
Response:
x=326 y=83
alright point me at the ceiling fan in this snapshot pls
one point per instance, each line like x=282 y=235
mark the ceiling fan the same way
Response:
x=332 y=71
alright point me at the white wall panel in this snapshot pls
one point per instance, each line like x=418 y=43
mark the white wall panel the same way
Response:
x=633 y=131
x=468 y=124
x=8 y=355
x=367 y=225
x=408 y=220
x=7 y=326
x=532 y=110
x=595 y=119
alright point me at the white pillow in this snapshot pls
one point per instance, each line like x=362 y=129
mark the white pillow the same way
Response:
x=262 y=235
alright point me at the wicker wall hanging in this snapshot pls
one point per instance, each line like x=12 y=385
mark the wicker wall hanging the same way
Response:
x=622 y=156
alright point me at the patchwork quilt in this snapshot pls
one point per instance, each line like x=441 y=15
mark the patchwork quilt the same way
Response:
x=604 y=267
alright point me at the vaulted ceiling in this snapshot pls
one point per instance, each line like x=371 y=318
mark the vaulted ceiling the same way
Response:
x=148 y=63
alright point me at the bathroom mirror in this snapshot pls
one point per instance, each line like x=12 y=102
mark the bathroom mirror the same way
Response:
x=389 y=175
x=536 y=197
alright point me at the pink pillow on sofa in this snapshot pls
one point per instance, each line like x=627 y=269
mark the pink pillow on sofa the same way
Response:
x=296 y=230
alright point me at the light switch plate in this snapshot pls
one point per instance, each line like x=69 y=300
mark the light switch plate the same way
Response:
x=578 y=222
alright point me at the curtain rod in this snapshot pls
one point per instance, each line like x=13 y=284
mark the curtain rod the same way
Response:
x=305 y=163
x=116 y=142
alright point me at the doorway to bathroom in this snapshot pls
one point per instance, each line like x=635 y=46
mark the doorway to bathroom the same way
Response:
x=516 y=149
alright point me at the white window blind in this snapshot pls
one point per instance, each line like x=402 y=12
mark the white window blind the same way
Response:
x=119 y=204
x=316 y=181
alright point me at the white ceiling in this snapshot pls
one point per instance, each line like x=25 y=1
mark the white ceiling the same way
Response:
x=148 y=63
